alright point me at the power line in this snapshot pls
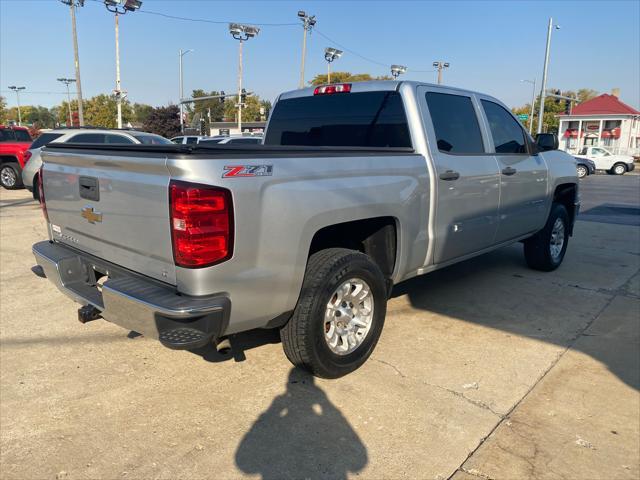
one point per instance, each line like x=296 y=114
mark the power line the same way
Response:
x=37 y=92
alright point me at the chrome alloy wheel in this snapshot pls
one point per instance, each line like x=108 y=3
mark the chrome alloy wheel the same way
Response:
x=8 y=176
x=619 y=170
x=557 y=239
x=349 y=316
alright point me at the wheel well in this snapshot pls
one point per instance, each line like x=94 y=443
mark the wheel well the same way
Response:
x=375 y=237
x=8 y=159
x=626 y=169
x=566 y=194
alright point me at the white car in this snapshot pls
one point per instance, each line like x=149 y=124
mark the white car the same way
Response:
x=187 y=139
x=80 y=135
x=605 y=160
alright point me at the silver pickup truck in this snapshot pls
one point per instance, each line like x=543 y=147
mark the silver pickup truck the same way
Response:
x=356 y=188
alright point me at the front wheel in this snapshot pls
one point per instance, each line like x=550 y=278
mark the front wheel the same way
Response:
x=545 y=250
x=619 y=169
x=582 y=171
x=339 y=316
x=10 y=176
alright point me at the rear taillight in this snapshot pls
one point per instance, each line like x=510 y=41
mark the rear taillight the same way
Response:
x=331 y=89
x=201 y=224
x=43 y=205
x=27 y=156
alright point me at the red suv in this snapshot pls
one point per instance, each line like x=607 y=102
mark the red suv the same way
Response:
x=14 y=142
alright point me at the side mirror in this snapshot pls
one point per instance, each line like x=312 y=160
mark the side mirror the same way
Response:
x=547 y=141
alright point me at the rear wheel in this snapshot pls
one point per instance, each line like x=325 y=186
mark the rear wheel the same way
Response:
x=619 y=169
x=545 y=250
x=339 y=316
x=582 y=171
x=10 y=176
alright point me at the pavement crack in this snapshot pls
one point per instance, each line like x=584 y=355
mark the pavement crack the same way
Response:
x=475 y=473
x=390 y=365
x=477 y=403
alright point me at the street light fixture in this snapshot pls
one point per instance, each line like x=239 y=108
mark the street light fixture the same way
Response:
x=67 y=82
x=440 y=66
x=331 y=54
x=18 y=90
x=72 y=6
x=120 y=7
x=241 y=33
x=533 y=101
x=397 y=70
x=182 y=54
x=308 y=23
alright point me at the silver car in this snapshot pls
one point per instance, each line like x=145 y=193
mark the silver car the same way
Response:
x=81 y=135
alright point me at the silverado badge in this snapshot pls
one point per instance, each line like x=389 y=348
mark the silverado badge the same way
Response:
x=90 y=215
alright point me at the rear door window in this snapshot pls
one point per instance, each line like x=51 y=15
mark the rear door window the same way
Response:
x=455 y=123
x=6 y=135
x=43 y=139
x=192 y=140
x=118 y=140
x=87 y=138
x=507 y=132
x=23 y=136
x=366 y=119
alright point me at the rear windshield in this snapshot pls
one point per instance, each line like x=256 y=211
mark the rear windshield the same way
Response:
x=368 y=119
x=151 y=139
x=43 y=139
x=10 y=135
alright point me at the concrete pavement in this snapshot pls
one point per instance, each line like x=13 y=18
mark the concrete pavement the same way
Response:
x=484 y=370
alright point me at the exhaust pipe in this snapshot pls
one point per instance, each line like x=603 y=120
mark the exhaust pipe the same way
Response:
x=223 y=345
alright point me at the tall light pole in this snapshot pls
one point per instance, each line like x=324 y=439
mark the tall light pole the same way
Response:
x=120 y=7
x=72 y=6
x=440 y=66
x=18 y=90
x=331 y=54
x=241 y=33
x=397 y=70
x=68 y=81
x=182 y=54
x=544 y=74
x=533 y=101
x=307 y=24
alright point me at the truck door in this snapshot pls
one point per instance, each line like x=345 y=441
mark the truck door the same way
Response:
x=467 y=176
x=523 y=175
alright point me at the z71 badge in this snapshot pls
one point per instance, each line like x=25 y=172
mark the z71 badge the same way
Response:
x=232 y=171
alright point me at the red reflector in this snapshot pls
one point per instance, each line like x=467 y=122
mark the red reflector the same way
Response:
x=40 y=186
x=201 y=224
x=331 y=89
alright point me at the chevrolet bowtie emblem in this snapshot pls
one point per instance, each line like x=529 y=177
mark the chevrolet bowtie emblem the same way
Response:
x=90 y=215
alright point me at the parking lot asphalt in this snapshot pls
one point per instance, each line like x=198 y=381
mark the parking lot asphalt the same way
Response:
x=484 y=370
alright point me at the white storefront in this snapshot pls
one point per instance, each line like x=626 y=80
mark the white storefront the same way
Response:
x=603 y=121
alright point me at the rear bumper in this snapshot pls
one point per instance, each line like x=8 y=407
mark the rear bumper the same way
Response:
x=133 y=301
x=631 y=166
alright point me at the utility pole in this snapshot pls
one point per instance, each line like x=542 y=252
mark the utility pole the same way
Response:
x=533 y=101
x=307 y=24
x=440 y=66
x=68 y=81
x=544 y=74
x=120 y=7
x=331 y=54
x=18 y=90
x=397 y=70
x=182 y=54
x=72 y=7
x=241 y=33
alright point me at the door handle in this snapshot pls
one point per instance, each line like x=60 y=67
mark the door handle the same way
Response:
x=89 y=188
x=449 y=175
x=508 y=171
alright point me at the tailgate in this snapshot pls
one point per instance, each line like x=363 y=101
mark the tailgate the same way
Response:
x=113 y=205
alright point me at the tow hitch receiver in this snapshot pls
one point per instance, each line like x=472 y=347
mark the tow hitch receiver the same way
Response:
x=88 y=313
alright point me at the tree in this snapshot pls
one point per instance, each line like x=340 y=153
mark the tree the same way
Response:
x=163 y=121
x=99 y=111
x=141 y=112
x=342 y=77
x=251 y=110
x=211 y=110
x=3 y=110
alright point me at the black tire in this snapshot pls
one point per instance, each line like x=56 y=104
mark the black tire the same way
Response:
x=582 y=171
x=10 y=177
x=537 y=249
x=619 y=169
x=303 y=337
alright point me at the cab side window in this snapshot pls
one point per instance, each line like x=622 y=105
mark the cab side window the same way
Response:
x=455 y=123
x=87 y=138
x=508 y=136
x=118 y=139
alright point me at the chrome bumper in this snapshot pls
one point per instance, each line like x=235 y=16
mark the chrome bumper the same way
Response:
x=132 y=301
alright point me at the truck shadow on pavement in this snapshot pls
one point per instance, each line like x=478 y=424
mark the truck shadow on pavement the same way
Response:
x=301 y=435
x=498 y=291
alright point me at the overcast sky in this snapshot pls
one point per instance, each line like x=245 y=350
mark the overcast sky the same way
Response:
x=491 y=46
